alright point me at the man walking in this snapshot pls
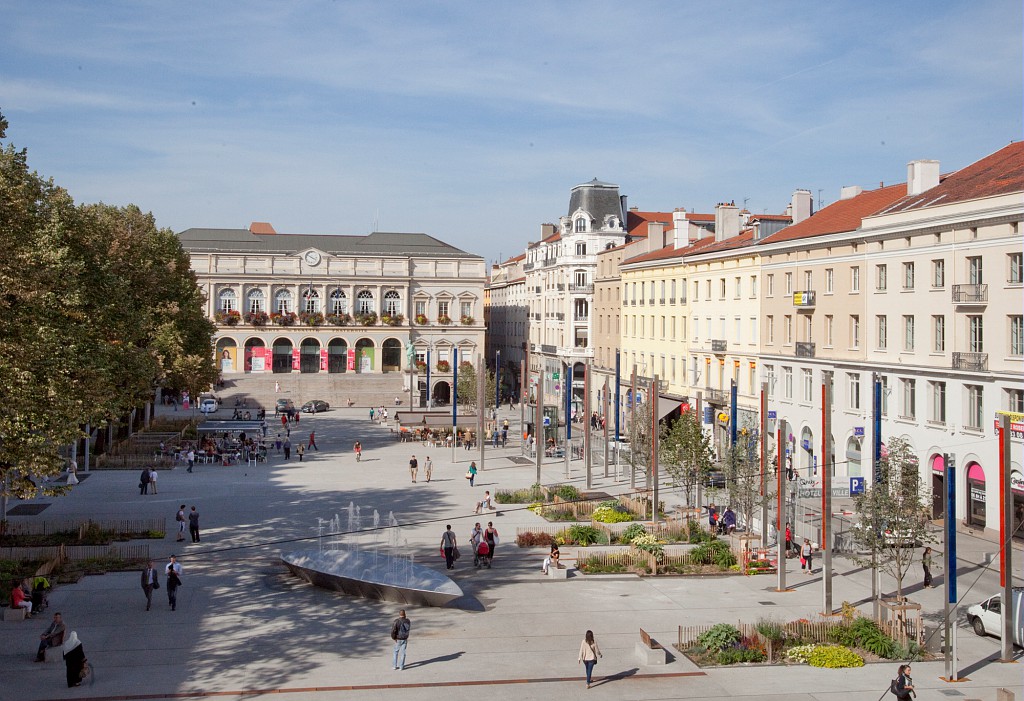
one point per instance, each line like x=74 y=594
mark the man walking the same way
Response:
x=287 y=448
x=180 y=518
x=448 y=544
x=173 y=582
x=51 y=637
x=191 y=459
x=193 y=524
x=400 y=634
x=413 y=467
x=150 y=581
x=312 y=441
x=428 y=467
x=144 y=481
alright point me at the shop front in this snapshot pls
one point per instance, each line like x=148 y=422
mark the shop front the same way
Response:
x=938 y=486
x=975 y=495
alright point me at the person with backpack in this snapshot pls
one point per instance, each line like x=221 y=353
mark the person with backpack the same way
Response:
x=400 y=634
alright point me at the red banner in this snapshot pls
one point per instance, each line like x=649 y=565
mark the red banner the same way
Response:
x=295 y=359
x=351 y=358
x=323 y=360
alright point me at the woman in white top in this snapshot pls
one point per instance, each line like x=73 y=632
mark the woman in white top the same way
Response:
x=589 y=652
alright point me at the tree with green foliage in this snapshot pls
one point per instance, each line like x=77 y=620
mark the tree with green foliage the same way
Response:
x=894 y=514
x=638 y=433
x=743 y=473
x=97 y=306
x=685 y=453
x=467 y=386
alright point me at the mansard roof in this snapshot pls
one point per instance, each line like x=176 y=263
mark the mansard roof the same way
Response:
x=378 y=243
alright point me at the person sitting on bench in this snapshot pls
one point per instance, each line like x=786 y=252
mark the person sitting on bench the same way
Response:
x=485 y=504
x=552 y=559
x=51 y=637
x=19 y=600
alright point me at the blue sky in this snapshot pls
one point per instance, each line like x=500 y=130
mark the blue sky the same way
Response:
x=471 y=121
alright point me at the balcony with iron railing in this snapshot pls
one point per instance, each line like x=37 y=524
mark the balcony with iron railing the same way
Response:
x=581 y=317
x=804 y=349
x=805 y=299
x=719 y=346
x=560 y=316
x=584 y=289
x=972 y=362
x=970 y=294
x=529 y=266
x=715 y=396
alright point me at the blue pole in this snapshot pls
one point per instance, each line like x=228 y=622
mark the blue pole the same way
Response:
x=618 y=397
x=428 y=378
x=733 y=412
x=497 y=379
x=455 y=390
x=950 y=480
x=876 y=428
x=568 y=404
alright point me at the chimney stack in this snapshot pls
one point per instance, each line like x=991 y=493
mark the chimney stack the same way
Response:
x=921 y=176
x=801 y=205
x=848 y=192
x=680 y=228
x=655 y=235
x=727 y=221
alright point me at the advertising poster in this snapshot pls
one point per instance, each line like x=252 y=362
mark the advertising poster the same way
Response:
x=295 y=359
x=259 y=359
x=351 y=358
x=227 y=360
x=323 y=360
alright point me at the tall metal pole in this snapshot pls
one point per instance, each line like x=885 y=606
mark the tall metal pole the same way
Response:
x=654 y=448
x=497 y=380
x=949 y=533
x=524 y=392
x=764 y=464
x=587 y=435
x=733 y=412
x=455 y=400
x=604 y=413
x=568 y=415
x=780 y=524
x=632 y=415
x=876 y=461
x=88 y=446
x=700 y=427
x=1006 y=536
x=538 y=426
x=428 y=380
x=826 y=495
x=618 y=398
x=481 y=392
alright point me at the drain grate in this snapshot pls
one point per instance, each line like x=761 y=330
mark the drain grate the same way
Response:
x=26 y=509
x=950 y=692
x=767 y=603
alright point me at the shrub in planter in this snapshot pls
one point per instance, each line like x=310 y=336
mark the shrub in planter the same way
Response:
x=339 y=319
x=719 y=637
x=633 y=531
x=421 y=319
x=368 y=319
x=834 y=657
x=467 y=320
x=532 y=539
x=770 y=629
x=567 y=492
x=648 y=543
x=444 y=320
x=711 y=553
x=800 y=653
x=444 y=366
x=583 y=535
x=257 y=318
x=739 y=654
x=395 y=320
x=608 y=514
x=870 y=637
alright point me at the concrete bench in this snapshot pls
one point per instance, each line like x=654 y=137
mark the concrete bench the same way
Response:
x=14 y=614
x=54 y=654
x=649 y=651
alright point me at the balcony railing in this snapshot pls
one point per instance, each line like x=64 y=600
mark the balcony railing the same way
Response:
x=560 y=316
x=973 y=362
x=560 y=287
x=716 y=396
x=719 y=346
x=580 y=317
x=804 y=298
x=586 y=289
x=970 y=294
x=804 y=349
x=529 y=266
x=545 y=348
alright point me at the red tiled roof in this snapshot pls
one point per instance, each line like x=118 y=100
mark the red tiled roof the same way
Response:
x=771 y=217
x=1000 y=173
x=671 y=251
x=636 y=222
x=742 y=239
x=261 y=227
x=842 y=215
x=694 y=217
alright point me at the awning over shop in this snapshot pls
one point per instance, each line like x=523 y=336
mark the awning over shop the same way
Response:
x=666 y=405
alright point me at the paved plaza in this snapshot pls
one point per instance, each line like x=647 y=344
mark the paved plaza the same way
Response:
x=244 y=626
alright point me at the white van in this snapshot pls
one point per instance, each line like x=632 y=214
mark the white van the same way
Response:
x=986 y=618
x=207 y=405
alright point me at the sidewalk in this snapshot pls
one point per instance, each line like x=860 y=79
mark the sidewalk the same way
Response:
x=243 y=624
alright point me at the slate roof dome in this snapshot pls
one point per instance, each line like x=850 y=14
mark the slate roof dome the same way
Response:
x=597 y=199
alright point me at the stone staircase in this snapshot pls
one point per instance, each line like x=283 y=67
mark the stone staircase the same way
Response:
x=334 y=388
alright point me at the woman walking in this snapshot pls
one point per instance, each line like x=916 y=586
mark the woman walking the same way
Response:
x=926 y=563
x=589 y=652
x=74 y=659
x=806 y=551
x=491 y=536
x=471 y=475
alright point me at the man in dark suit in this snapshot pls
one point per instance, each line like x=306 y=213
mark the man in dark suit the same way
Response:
x=150 y=581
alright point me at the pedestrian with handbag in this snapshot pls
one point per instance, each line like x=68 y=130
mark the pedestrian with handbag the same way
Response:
x=150 y=581
x=806 y=552
x=491 y=536
x=173 y=582
x=471 y=475
x=589 y=652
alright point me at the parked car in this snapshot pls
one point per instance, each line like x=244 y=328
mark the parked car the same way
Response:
x=316 y=405
x=284 y=405
x=986 y=618
x=208 y=405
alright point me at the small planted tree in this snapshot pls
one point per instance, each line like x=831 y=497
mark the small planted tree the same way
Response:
x=638 y=431
x=743 y=472
x=686 y=454
x=894 y=515
x=467 y=386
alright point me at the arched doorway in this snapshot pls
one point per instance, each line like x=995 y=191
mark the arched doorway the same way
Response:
x=808 y=468
x=337 y=355
x=227 y=354
x=255 y=355
x=282 y=358
x=309 y=355
x=391 y=355
x=853 y=445
x=938 y=463
x=365 y=352
x=975 y=495
x=441 y=395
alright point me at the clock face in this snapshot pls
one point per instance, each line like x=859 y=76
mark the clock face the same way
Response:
x=312 y=257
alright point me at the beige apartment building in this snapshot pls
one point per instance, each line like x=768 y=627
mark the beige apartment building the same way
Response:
x=508 y=320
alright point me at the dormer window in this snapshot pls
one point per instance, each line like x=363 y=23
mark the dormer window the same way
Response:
x=580 y=225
